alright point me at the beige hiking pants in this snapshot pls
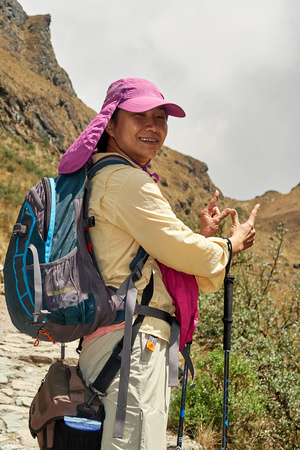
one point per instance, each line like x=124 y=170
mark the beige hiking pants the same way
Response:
x=148 y=394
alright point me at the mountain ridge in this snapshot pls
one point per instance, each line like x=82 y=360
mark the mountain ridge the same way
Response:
x=41 y=115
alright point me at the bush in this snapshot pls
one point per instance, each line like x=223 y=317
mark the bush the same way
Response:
x=204 y=402
x=11 y=194
x=264 y=386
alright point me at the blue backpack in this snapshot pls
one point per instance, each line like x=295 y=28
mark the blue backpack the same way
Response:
x=53 y=287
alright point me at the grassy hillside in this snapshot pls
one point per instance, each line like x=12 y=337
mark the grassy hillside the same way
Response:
x=22 y=166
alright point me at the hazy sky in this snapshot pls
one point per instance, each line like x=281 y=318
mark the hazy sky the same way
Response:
x=233 y=65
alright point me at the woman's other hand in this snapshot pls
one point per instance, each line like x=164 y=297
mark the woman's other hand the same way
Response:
x=242 y=236
x=211 y=217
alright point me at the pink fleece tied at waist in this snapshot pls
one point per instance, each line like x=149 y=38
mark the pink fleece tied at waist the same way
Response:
x=184 y=292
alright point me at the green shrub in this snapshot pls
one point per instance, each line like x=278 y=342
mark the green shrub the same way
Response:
x=264 y=384
x=11 y=194
x=204 y=402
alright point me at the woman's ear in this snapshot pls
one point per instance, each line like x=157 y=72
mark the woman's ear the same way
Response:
x=109 y=128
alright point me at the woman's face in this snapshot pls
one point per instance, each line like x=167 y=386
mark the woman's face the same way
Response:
x=140 y=135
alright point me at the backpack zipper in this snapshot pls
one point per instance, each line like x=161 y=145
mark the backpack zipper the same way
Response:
x=47 y=213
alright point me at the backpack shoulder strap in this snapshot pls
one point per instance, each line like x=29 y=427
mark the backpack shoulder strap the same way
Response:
x=107 y=161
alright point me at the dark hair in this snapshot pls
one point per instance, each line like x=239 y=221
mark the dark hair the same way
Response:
x=102 y=143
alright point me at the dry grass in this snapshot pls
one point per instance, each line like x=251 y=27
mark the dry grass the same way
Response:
x=208 y=438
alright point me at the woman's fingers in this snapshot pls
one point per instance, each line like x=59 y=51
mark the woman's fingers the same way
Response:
x=234 y=217
x=224 y=214
x=212 y=204
x=253 y=215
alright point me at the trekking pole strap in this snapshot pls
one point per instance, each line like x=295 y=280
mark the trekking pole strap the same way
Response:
x=188 y=361
x=229 y=246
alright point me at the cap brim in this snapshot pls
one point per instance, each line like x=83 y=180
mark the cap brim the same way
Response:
x=142 y=104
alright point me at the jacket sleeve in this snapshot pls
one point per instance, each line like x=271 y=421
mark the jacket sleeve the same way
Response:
x=144 y=213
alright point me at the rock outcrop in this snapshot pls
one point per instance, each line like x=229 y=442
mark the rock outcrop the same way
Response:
x=37 y=99
x=29 y=38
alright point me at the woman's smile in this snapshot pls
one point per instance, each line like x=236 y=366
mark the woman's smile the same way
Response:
x=139 y=135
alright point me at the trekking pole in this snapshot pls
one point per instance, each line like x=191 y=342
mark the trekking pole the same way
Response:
x=227 y=320
x=182 y=403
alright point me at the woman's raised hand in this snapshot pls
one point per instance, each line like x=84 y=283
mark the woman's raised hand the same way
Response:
x=242 y=236
x=211 y=217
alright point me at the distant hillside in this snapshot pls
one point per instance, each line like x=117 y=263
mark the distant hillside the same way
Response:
x=40 y=116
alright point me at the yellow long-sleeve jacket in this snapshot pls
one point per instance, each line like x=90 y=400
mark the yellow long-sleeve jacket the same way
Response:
x=130 y=211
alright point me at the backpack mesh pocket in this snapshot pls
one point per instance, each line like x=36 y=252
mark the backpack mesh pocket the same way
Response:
x=64 y=297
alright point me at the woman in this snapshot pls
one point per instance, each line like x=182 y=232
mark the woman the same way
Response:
x=130 y=211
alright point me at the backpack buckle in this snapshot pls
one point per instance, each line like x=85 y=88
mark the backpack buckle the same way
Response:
x=137 y=271
x=39 y=317
x=95 y=394
x=89 y=222
x=20 y=230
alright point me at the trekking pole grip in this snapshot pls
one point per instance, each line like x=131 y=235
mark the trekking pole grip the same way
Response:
x=227 y=319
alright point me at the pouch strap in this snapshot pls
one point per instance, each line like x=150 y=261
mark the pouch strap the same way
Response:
x=50 y=435
x=75 y=385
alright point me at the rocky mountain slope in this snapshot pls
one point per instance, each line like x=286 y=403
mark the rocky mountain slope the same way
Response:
x=37 y=100
x=40 y=116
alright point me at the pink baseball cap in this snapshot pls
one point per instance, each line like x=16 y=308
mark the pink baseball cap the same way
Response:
x=130 y=94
